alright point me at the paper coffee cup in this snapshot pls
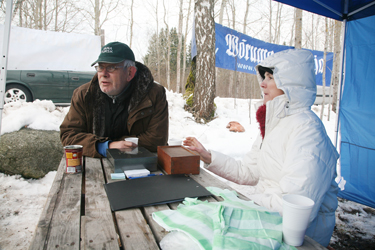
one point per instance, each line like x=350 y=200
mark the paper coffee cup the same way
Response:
x=132 y=139
x=296 y=215
x=174 y=142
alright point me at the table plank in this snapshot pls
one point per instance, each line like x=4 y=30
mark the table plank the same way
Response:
x=99 y=231
x=50 y=233
x=40 y=237
x=134 y=231
x=65 y=226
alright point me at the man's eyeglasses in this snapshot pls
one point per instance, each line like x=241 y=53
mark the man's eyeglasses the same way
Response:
x=109 y=68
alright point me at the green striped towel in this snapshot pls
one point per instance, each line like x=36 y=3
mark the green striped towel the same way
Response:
x=229 y=224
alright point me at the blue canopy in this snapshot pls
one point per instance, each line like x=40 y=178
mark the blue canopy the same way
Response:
x=337 y=9
x=356 y=93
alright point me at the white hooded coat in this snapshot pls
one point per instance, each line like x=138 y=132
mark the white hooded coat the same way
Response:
x=296 y=155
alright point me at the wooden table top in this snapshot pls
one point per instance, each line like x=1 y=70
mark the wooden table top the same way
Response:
x=77 y=214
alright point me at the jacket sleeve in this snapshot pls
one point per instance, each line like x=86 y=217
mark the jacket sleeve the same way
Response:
x=156 y=133
x=75 y=130
x=244 y=171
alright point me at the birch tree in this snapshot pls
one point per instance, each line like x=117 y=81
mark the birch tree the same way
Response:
x=324 y=68
x=233 y=75
x=99 y=12
x=204 y=91
x=298 y=31
x=184 y=42
x=56 y=15
x=168 y=59
x=336 y=63
x=222 y=8
x=131 y=23
x=179 y=32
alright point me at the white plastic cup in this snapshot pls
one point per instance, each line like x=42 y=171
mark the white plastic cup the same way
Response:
x=134 y=150
x=132 y=139
x=296 y=214
x=175 y=142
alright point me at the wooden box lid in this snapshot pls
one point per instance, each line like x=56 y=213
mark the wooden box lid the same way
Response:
x=178 y=160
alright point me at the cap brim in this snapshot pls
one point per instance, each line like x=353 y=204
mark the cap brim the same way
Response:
x=108 y=60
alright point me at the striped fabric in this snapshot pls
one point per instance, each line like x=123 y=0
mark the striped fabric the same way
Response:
x=229 y=224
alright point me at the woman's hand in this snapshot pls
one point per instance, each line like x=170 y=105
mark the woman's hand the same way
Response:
x=196 y=146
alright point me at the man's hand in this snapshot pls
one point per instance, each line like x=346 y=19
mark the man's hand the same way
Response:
x=122 y=144
x=196 y=146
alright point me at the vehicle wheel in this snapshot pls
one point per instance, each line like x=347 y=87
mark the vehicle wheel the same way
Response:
x=17 y=93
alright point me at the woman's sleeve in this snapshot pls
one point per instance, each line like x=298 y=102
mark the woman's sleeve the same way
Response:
x=242 y=171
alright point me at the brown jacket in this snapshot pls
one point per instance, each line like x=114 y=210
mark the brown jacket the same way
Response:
x=147 y=119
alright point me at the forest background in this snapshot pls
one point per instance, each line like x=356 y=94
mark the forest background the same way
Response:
x=159 y=32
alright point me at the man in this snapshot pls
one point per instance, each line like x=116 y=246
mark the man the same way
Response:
x=122 y=100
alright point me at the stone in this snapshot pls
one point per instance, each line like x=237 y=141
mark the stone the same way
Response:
x=30 y=153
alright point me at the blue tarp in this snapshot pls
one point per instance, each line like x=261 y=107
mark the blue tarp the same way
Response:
x=357 y=113
x=336 y=8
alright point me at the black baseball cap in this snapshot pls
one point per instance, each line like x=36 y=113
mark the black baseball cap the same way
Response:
x=115 y=52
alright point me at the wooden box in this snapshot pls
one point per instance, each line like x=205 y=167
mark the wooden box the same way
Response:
x=178 y=160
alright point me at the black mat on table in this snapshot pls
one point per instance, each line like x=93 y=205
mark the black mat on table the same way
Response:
x=152 y=190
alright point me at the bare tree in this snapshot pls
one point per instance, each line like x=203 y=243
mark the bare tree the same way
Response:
x=298 y=37
x=324 y=68
x=336 y=63
x=233 y=75
x=222 y=8
x=270 y=24
x=184 y=44
x=100 y=11
x=168 y=59
x=204 y=91
x=131 y=23
x=180 y=21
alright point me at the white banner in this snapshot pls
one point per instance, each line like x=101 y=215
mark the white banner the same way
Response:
x=31 y=49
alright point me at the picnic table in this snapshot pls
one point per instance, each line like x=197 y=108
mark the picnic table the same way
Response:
x=77 y=213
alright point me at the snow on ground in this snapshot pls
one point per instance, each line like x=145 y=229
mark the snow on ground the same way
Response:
x=22 y=201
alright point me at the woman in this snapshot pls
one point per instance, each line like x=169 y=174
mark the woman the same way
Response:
x=293 y=153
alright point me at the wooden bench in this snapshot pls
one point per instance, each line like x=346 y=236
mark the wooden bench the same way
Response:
x=77 y=214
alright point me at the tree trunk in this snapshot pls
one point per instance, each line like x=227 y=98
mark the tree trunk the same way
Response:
x=222 y=7
x=97 y=18
x=245 y=17
x=157 y=41
x=168 y=59
x=270 y=24
x=180 y=21
x=184 y=44
x=298 y=38
x=204 y=92
x=324 y=68
x=233 y=75
x=131 y=23
x=336 y=63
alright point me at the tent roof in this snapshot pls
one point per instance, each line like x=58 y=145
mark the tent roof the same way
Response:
x=336 y=9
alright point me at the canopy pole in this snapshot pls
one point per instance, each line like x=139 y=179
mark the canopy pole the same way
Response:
x=4 y=58
x=337 y=140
